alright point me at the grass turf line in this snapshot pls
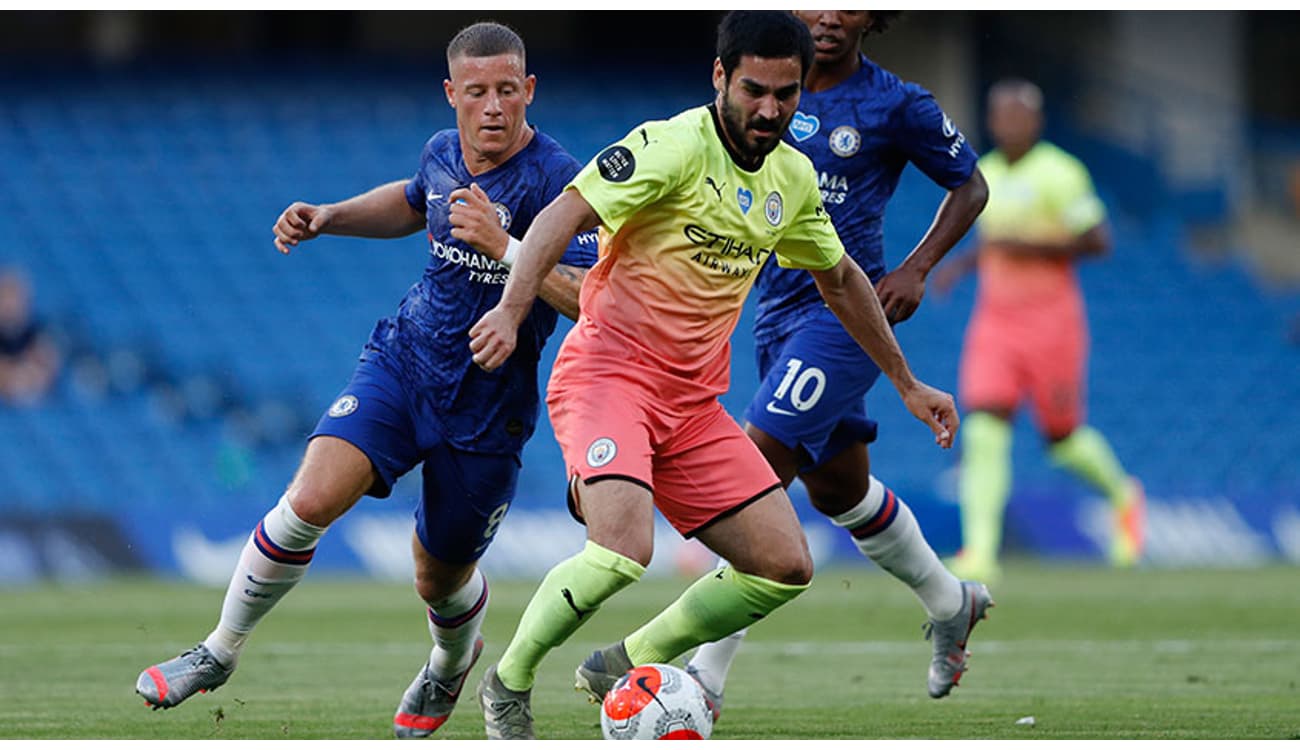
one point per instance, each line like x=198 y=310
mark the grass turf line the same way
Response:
x=1089 y=652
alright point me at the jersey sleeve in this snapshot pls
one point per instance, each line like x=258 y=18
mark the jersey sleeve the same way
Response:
x=415 y=187
x=810 y=242
x=1074 y=196
x=633 y=173
x=931 y=141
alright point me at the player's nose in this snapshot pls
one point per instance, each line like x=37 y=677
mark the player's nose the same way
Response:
x=828 y=19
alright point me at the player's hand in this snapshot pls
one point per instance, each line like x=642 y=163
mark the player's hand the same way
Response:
x=300 y=221
x=492 y=339
x=474 y=220
x=936 y=409
x=900 y=293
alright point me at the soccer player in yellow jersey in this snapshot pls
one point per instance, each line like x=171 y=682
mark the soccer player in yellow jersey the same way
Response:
x=1028 y=335
x=688 y=209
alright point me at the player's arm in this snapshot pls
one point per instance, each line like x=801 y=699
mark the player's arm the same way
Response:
x=901 y=290
x=474 y=220
x=1093 y=243
x=381 y=213
x=492 y=339
x=849 y=294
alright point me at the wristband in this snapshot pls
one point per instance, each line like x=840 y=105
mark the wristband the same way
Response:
x=512 y=252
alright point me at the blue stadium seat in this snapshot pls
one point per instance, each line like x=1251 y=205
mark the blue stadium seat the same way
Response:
x=141 y=204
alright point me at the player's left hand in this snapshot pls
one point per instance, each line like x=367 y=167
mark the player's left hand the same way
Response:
x=936 y=409
x=474 y=220
x=900 y=293
x=492 y=339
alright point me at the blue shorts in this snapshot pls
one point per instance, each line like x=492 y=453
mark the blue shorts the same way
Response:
x=814 y=381
x=465 y=495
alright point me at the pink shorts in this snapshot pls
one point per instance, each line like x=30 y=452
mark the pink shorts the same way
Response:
x=700 y=465
x=1040 y=354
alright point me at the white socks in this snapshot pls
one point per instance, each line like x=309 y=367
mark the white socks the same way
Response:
x=274 y=558
x=712 y=660
x=885 y=530
x=454 y=624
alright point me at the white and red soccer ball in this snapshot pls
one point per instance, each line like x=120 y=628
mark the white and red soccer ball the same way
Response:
x=655 y=702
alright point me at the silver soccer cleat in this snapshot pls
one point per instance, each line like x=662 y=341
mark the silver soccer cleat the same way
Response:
x=428 y=701
x=599 y=671
x=506 y=713
x=195 y=671
x=949 y=638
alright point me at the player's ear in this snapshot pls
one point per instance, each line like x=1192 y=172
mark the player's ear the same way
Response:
x=719 y=76
x=530 y=85
x=450 y=90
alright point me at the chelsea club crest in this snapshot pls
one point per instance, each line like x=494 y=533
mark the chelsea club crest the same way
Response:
x=845 y=141
x=503 y=215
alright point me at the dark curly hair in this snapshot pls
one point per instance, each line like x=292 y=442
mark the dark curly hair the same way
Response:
x=881 y=20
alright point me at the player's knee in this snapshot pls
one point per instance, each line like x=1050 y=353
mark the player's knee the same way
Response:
x=433 y=588
x=429 y=589
x=315 y=506
x=793 y=567
x=839 y=498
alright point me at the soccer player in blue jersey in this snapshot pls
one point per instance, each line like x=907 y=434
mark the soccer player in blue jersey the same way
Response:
x=416 y=396
x=860 y=125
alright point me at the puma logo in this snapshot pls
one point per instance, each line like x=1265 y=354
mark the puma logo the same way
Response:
x=716 y=187
x=568 y=597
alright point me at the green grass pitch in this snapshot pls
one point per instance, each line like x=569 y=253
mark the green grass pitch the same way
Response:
x=1090 y=653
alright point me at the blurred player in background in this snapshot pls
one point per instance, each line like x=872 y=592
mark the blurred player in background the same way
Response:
x=689 y=208
x=29 y=360
x=1028 y=335
x=416 y=396
x=860 y=125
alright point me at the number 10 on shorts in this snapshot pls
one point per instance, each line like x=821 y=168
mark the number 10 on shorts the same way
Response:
x=805 y=388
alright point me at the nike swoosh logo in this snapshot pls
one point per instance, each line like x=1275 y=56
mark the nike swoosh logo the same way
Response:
x=643 y=683
x=772 y=408
x=431 y=197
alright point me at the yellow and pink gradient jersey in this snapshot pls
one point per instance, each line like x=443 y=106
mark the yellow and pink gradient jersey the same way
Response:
x=1047 y=197
x=684 y=232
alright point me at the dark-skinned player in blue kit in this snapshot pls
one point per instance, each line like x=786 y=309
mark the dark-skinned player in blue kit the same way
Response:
x=861 y=125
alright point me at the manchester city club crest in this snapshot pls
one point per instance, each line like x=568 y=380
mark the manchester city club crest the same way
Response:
x=503 y=215
x=600 y=452
x=845 y=141
x=773 y=208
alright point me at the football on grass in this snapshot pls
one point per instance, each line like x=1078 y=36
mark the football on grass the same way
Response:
x=655 y=702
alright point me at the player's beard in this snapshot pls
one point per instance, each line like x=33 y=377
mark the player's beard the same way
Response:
x=738 y=131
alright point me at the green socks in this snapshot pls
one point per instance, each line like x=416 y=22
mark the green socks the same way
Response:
x=571 y=592
x=718 y=604
x=985 y=484
x=1086 y=454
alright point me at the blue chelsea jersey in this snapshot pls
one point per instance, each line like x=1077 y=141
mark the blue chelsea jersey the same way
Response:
x=427 y=342
x=860 y=135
